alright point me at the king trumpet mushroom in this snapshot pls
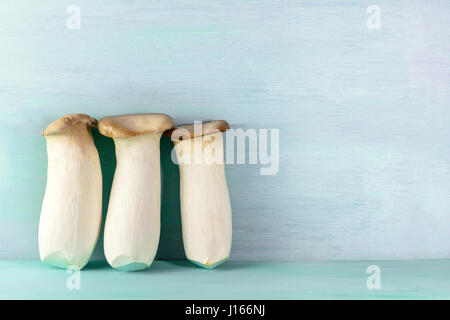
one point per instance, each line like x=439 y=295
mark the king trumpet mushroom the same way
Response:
x=71 y=213
x=132 y=225
x=205 y=202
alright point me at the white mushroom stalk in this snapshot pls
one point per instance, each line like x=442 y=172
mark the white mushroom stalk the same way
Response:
x=205 y=202
x=132 y=226
x=71 y=213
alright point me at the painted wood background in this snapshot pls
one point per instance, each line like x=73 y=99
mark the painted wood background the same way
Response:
x=363 y=114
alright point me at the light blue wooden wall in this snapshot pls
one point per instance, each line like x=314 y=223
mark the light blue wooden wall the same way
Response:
x=363 y=114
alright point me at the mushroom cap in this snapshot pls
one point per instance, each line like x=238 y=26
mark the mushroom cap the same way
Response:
x=208 y=127
x=67 y=121
x=131 y=125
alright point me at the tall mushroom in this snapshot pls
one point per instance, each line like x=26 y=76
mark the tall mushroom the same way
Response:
x=133 y=220
x=205 y=202
x=71 y=213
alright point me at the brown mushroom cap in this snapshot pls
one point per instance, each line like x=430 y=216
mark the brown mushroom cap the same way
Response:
x=132 y=125
x=208 y=127
x=67 y=121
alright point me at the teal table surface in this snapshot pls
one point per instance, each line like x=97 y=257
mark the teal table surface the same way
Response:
x=411 y=279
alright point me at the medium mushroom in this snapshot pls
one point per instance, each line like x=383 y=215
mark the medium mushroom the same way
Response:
x=205 y=202
x=132 y=226
x=71 y=213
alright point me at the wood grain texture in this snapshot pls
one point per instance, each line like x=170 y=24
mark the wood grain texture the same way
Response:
x=363 y=114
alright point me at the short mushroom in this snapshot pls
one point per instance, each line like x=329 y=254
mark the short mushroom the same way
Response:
x=133 y=220
x=71 y=213
x=205 y=202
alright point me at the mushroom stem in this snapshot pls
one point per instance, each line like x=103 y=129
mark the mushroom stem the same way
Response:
x=70 y=219
x=133 y=221
x=205 y=202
